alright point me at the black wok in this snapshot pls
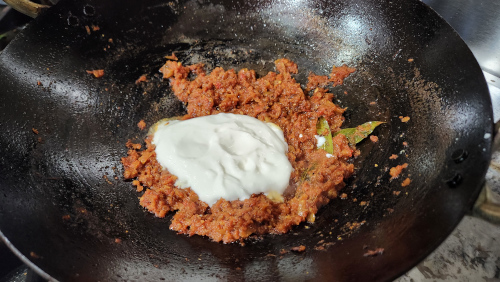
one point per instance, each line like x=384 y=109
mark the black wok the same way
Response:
x=67 y=212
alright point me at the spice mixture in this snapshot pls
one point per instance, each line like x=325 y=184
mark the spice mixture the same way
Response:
x=278 y=98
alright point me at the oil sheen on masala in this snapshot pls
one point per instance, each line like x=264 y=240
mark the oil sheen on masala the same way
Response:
x=226 y=156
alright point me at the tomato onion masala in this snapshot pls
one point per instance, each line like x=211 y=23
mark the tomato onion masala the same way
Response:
x=316 y=177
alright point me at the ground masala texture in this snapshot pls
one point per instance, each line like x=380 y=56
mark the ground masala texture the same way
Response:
x=277 y=98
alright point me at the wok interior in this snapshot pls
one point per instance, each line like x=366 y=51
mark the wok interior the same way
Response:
x=64 y=198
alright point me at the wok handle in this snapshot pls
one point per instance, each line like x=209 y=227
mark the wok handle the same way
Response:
x=27 y=7
x=485 y=207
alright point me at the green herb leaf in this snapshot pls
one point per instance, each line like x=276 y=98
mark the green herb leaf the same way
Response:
x=357 y=134
x=323 y=129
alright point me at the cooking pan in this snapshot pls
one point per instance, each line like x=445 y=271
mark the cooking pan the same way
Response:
x=66 y=210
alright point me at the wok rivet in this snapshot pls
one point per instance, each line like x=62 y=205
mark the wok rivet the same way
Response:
x=454 y=181
x=73 y=21
x=88 y=10
x=459 y=156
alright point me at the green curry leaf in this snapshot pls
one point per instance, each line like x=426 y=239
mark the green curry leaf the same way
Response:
x=323 y=129
x=357 y=134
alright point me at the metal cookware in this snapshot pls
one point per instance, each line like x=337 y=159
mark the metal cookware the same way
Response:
x=66 y=210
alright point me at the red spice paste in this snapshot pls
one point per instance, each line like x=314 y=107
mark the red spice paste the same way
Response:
x=396 y=171
x=275 y=98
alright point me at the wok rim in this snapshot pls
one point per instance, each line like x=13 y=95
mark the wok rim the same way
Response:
x=437 y=244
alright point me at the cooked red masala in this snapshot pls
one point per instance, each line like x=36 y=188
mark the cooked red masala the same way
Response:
x=406 y=182
x=404 y=119
x=141 y=78
x=141 y=124
x=275 y=98
x=96 y=73
x=396 y=171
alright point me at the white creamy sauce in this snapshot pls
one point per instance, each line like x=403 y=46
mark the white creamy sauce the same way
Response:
x=320 y=140
x=224 y=156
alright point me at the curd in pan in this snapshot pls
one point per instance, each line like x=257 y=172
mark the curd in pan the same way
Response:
x=225 y=156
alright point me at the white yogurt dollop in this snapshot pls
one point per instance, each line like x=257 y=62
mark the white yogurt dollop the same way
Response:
x=224 y=156
x=321 y=140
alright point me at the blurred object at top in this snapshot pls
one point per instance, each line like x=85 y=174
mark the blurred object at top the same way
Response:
x=478 y=24
x=10 y=19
